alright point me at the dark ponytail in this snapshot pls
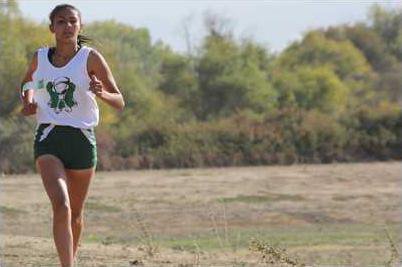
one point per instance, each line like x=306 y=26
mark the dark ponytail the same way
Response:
x=82 y=39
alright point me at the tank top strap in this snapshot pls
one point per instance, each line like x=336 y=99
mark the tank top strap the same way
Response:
x=83 y=54
x=86 y=51
x=82 y=58
x=42 y=57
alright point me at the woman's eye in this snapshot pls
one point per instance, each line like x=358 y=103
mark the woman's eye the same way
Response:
x=60 y=21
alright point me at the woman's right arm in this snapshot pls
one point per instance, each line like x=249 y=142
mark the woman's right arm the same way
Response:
x=29 y=106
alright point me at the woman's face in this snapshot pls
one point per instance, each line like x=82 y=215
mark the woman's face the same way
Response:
x=66 y=25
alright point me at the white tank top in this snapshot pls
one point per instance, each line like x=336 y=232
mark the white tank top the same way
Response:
x=63 y=94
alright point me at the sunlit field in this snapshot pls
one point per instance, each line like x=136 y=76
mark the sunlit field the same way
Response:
x=337 y=214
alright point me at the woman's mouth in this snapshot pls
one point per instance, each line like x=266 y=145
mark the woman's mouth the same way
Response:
x=68 y=34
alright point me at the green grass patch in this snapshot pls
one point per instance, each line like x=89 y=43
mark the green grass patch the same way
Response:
x=351 y=197
x=261 y=198
x=105 y=240
x=92 y=238
x=96 y=206
x=11 y=210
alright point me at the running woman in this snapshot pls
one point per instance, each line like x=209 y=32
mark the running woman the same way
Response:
x=61 y=86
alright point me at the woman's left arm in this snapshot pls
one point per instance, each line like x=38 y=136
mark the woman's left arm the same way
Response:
x=102 y=82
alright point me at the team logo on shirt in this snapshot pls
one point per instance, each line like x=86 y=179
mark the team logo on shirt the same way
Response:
x=61 y=92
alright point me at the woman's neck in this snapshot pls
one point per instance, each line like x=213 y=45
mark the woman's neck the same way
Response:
x=66 y=50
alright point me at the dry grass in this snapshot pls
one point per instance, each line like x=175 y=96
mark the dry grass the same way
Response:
x=321 y=214
x=394 y=259
x=274 y=255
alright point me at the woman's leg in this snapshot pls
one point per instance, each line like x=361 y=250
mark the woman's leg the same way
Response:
x=54 y=180
x=78 y=183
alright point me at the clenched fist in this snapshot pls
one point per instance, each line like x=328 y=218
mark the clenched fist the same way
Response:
x=95 y=85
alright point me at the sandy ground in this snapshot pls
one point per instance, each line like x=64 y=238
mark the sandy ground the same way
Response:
x=336 y=214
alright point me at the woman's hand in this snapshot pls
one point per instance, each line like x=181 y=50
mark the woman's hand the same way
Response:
x=29 y=108
x=27 y=96
x=95 y=85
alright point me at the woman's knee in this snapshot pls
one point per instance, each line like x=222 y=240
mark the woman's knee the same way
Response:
x=61 y=209
x=77 y=217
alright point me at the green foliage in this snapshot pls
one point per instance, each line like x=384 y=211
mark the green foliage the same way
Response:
x=179 y=79
x=322 y=138
x=317 y=50
x=388 y=24
x=388 y=81
x=312 y=88
x=369 y=42
x=232 y=77
x=16 y=139
x=376 y=132
x=348 y=63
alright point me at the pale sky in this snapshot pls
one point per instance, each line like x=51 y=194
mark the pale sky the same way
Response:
x=273 y=24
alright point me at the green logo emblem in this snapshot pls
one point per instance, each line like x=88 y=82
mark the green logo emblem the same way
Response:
x=61 y=92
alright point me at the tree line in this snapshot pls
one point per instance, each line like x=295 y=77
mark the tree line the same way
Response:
x=334 y=95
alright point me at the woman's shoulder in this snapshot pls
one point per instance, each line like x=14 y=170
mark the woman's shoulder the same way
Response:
x=94 y=55
x=96 y=62
x=38 y=52
x=42 y=51
x=92 y=50
x=44 y=48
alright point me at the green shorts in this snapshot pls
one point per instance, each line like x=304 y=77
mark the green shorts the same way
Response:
x=76 y=148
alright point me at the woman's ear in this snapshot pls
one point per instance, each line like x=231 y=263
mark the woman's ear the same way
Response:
x=51 y=28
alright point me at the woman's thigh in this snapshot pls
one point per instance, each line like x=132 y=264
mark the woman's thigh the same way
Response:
x=54 y=178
